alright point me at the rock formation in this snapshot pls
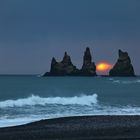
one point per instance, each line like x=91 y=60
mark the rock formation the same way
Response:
x=123 y=67
x=88 y=68
x=63 y=68
x=66 y=68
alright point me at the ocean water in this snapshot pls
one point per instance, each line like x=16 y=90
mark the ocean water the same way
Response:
x=25 y=99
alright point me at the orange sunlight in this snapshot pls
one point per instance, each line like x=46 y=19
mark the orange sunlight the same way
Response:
x=104 y=66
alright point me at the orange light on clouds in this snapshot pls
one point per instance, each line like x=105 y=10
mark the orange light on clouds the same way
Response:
x=104 y=66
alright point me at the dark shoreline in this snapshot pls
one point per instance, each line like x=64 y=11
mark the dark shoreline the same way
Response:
x=77 y=128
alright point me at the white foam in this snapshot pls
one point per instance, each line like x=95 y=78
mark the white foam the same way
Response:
x=37 y=100
x=111 y=79
x=102 y=110
x=126 y=82
x=138 y=81
x=16 y=121
x=131 y=82
x=116 y=81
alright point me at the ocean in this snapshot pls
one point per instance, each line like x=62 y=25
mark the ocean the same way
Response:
x=25 y=99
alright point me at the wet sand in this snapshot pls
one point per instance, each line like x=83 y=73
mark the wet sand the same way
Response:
x=77 y=128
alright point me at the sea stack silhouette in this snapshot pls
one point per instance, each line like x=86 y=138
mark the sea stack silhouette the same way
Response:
x=123 y=66
x=66 y=67
x=63 y=68
x=89 y=67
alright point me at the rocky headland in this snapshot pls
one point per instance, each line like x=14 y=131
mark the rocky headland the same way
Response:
x=123 y=66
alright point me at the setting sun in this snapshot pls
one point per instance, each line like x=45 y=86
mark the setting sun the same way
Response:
x=103 y=66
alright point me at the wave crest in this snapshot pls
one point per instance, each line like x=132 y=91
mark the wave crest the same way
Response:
x=37 y=100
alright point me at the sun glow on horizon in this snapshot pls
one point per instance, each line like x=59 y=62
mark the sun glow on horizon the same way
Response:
x=104 y=66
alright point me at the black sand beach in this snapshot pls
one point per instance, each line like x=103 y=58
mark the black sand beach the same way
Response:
x=77 y=128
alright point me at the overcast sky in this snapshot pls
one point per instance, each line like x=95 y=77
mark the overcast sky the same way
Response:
x=33 y=31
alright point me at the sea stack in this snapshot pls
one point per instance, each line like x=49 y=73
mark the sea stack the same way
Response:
x=89 y=67
x=63 y=68
x=66 y=68
x=123 y=67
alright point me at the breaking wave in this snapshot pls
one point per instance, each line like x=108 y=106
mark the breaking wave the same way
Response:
x=37 y=100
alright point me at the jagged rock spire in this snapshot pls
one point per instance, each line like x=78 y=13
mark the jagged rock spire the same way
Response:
x=66 y=68
x=53 y=61
x=63 y=68
x=87 y=56
x=123 y=56
x=123 y=66
x=66 y=59
x=53 y=64
x=88 y=68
